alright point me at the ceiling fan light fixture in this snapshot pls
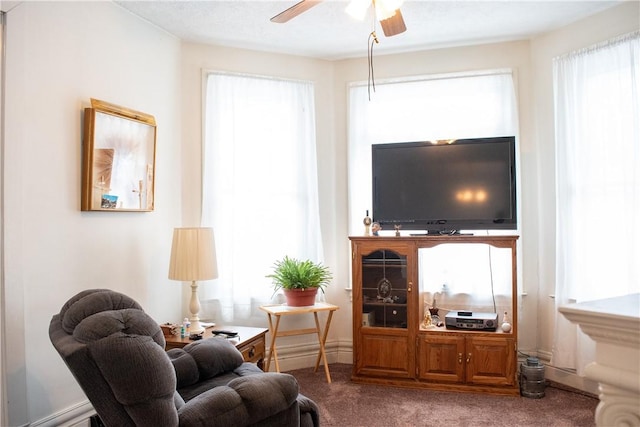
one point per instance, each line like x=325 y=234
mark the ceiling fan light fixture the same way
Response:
x=385 y=9
x=357 y=9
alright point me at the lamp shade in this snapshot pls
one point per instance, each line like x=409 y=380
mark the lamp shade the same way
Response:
x=193 y=255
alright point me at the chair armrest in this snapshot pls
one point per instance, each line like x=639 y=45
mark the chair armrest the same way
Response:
x=244 y=401
x=309 y=412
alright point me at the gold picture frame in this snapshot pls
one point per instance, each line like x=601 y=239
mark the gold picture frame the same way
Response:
x=118 y=159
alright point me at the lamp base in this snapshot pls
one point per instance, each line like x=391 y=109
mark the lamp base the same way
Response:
x=195 y=327
x=194 y=306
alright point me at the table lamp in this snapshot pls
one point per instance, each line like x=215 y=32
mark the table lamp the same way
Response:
x=193 y=258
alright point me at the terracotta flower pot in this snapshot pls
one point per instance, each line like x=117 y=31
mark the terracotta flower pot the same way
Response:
x=300 y=297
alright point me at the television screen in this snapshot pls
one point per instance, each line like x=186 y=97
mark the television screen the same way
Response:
x=467 y=184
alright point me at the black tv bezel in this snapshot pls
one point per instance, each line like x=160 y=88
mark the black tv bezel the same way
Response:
x=444 y=225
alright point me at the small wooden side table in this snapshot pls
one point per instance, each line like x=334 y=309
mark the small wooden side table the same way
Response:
x=250 y=341
x=280 y=310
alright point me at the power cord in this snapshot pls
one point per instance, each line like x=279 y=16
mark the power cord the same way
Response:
x=493 y=293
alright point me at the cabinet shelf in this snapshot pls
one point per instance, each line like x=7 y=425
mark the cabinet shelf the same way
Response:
x=390 y=348
x=442 y=330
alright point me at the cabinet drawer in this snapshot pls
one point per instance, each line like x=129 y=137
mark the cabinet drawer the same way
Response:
x=254 y=350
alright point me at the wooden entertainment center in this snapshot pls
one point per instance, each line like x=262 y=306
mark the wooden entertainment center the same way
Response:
x=390 y=347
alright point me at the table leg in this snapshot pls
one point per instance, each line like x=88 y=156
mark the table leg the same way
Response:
x=273 y=352
x=322 y=338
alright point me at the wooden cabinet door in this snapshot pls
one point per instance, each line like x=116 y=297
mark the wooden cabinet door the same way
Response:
x=384 y=353
x=490 y=360
x=384 y=308
x=441 y=358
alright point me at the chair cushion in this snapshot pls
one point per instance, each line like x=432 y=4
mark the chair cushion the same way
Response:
x=194 y=390
x=90 y=302
x=185 y=366
x=250 y=400
x=208 y=363
x=283 y=392
x=214 y=356
x=128 y=321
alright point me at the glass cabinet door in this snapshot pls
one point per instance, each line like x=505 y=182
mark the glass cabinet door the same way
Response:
x=384 y=289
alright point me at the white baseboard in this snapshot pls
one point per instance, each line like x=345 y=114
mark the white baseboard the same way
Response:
x=74 y=416
x=299 y=356
x=572 y=380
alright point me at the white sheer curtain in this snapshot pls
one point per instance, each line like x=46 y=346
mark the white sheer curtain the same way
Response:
x=469 y=105
x=598 y=183
x=260 y=191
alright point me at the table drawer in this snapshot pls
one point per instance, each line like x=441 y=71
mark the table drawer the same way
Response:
x=254 y=350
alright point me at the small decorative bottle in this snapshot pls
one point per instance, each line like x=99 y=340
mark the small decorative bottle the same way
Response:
x=375 y=228
x=506 y=326
x=185 y=327
x=433 y=310
x=367 y=224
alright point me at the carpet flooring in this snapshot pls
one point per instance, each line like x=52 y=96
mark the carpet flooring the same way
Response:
x=344 y=403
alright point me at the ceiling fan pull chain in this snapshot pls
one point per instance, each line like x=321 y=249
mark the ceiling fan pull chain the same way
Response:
x=371 y=82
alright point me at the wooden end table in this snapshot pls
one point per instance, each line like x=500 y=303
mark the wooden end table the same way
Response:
x=280 y=310
x=250 y=341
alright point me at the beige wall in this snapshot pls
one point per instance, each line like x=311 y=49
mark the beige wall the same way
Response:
x=59 y=55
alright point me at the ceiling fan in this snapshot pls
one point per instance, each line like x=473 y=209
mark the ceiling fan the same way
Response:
x=386 y=11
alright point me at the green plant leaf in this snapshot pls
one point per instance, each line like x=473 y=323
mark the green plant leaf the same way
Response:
x=291 y=273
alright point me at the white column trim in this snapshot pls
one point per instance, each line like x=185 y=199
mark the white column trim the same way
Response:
x=614 y=324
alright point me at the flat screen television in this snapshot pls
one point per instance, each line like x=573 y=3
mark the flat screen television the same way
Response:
x=467 y=184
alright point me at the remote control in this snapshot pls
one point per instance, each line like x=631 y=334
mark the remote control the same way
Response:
x=228 y=333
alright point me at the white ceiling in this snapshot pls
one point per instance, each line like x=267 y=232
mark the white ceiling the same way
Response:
x=327 y=32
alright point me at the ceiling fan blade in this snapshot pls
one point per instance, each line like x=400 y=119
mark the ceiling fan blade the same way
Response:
x=394 y=25
x=294 y=11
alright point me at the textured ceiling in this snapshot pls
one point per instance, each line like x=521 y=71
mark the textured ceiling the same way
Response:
x=327 y=32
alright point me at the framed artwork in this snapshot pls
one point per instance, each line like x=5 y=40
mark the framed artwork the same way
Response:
x=118 y=159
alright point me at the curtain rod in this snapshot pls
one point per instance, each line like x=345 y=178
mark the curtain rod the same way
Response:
x=441 y=76
x=601 y=45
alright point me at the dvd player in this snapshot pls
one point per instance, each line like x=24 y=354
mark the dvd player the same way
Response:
x=471 y=320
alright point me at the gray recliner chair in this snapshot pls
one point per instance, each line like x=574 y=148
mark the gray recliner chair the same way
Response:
x=116 y=353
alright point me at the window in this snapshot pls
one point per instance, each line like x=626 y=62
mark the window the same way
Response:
x=598 y=183
x=259 y=186
x=469 y=105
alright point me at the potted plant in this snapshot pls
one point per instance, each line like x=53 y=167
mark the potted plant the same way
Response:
x=299 y=280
